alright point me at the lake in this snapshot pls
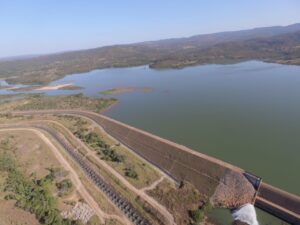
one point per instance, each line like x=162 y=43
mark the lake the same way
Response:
x=247 y=114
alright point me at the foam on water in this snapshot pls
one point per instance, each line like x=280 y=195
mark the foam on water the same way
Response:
x=246 y=214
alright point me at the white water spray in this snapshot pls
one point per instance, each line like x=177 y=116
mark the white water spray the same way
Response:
x=246 y=214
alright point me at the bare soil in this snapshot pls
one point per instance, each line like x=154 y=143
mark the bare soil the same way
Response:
x=179 y=201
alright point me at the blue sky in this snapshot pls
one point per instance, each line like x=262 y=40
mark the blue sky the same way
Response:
x=45 y=26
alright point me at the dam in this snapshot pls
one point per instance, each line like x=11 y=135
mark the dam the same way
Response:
x=183 y=164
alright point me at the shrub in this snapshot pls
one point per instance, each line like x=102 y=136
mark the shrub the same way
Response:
x=99 y=145
x=6 y=163
x=130 y=172
x=197 y=216
x=32 y=195
x=64 y=186
x=207 y=207
x=110 y=154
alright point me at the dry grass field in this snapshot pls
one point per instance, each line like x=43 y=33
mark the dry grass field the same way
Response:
x=146 y=174
x=156 y=198
x=34 y=159
x=180 y=201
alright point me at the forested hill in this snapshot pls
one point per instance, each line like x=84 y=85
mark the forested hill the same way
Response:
x=272 y=44
x=284 y=49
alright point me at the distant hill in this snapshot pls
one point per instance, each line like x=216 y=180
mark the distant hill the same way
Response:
x=206 y=40
x=284 y=49
x=19 y=57
x=278 y=44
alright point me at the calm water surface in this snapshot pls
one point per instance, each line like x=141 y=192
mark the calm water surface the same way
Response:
x=247 y=114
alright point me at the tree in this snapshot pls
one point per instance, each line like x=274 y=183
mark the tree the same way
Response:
x=130 y=172
x=197 y=216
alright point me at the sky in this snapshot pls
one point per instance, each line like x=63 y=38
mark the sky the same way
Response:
x=47 y=26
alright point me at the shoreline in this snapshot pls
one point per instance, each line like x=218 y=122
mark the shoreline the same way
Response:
x=68 y=86
x=124 y=90
x=152 y=66
x=103 y=111
x=177 y=66
x=53 y=87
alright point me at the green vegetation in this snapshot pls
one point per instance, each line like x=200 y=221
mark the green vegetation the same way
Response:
x=123 y=90
x=64 y=187
x=32 y=195
x=78 y=101
x=130 y=172
x=103 y=149
x=111 y=155
x=93 y=221
x=108 y=92
x=207 y=207
x=79 y=126
x=279 y=45
x=199 y=214
x=6 y=163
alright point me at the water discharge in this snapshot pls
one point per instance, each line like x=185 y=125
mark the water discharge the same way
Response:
x=246 y=214
x=246 y=114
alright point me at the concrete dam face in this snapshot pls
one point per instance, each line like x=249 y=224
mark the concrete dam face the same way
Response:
x=227 y=186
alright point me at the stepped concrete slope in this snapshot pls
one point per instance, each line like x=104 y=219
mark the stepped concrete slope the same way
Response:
x=206 y=173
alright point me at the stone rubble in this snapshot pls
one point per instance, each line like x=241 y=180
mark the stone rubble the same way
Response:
x=80 y=211
x=233 y=191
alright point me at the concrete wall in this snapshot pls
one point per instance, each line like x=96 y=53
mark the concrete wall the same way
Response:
x=279 y=203
x=178 y=161
x=202 y=171
x=182 y=163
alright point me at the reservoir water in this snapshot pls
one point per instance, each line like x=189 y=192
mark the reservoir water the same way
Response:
x=247 y=114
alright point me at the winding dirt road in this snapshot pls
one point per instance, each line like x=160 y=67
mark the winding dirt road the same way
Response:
x=139 y=192
x=280 y=199
x=74 y=177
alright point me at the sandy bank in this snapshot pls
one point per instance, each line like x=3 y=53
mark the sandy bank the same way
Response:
x=68 y=86
x=53 y=87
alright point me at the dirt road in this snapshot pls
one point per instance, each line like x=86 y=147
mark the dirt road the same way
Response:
x=139 y=192
x=74 y=177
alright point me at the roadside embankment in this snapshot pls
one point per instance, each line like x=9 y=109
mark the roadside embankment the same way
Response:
x=179 y=162
x=206 y=173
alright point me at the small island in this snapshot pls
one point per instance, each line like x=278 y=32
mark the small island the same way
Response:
x=123 y=90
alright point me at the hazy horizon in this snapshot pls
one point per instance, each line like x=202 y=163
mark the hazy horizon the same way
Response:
x=30 y=28
x=70 y=50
